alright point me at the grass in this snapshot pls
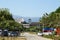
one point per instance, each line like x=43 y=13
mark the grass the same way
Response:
x=12 y=38
x=54 y=37
x=49 y=36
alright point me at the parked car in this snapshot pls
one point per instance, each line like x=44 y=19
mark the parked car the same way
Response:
x=47 y=33
x=44 y=33
x=9 y=33
x=14 y=33
x=40 y=34
x=5 y=33
x=0 y=32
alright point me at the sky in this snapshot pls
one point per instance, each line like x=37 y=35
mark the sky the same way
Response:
x=30 y=8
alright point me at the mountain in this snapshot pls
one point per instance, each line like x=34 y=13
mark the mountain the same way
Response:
x=33 y=19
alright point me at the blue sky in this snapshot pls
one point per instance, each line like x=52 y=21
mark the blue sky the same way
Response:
x=30 y=8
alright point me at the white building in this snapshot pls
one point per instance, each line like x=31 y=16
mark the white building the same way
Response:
x=19 y=20
x=26 y=25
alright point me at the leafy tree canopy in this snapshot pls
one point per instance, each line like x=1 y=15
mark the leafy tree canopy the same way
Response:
x=7 y=21
x=52 y=19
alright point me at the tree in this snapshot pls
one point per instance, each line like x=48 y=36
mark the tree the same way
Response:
x=52 y=19
x=57 y=10
x=7 y=21
x=5 y=14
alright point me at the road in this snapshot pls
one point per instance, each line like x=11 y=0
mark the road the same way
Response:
x=34 y=37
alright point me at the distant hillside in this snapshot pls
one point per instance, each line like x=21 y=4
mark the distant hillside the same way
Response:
x=33 y=19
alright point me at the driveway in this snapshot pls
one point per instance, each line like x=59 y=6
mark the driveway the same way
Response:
x=34 y=37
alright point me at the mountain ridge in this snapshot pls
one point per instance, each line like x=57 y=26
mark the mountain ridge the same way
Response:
x=33 y=19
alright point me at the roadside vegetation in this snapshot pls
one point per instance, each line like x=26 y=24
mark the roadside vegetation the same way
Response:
x=12 y=38
x=51 y=20
x=7 y=21
x=47 y=20
x=54 y=37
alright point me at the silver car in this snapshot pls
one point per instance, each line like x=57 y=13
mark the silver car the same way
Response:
x=0 y=32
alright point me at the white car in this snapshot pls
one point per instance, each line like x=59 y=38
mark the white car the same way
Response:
x=47 y=33
x=40 y=34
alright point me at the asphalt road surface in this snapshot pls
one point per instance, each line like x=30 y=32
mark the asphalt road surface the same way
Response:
x=34 y=37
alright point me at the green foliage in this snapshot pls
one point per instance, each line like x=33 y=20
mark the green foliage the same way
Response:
x=34 y=29
x=52 y=19
x=58 y=10
x=5 y=15
x=49 y=36
x=7 y=21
